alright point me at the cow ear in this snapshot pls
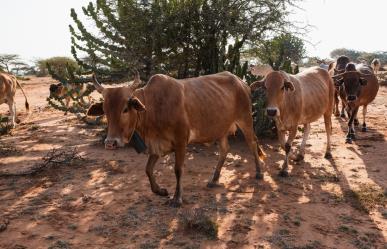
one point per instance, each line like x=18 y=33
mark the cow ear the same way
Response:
x=136 y=104
x=363 y=81
x=257 y=84
x=96 y=110
x=338 y=82
x=289 y=86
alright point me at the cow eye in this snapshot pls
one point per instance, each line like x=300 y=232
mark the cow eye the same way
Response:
x=125 y=110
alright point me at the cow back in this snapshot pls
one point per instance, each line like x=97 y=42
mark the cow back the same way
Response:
x=201 y=109
x=313 y=96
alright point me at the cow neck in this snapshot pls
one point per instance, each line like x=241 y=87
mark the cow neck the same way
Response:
x=139 y=93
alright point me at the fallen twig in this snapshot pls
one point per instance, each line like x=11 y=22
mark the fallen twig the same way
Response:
x=52 y=159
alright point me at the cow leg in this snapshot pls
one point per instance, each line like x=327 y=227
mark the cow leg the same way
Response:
x=351 y=129
x=224 y=147
x=328 y=131
x=12 y=111
x=292 y=134
x=177 y=199
x=281 y=137
x=252 y=142
x=356 y=121
x=336 y=106
x=149 y=172
x=301 y=154
x=364 y=128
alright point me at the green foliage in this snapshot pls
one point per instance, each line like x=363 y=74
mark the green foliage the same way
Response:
x=263 y=125
x=182 y=37
x=360 y=56
x=59 y=65
x=280 y=51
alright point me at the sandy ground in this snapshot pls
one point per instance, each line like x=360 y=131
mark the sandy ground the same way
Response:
x=106 y=201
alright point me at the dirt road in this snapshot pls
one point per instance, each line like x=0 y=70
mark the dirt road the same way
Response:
x=105 y=201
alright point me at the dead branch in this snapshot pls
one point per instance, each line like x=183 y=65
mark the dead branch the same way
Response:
x=54 y=158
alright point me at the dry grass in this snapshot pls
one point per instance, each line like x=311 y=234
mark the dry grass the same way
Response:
x=366 y=197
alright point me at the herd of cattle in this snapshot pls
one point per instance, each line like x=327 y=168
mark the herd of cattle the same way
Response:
x=168 y=114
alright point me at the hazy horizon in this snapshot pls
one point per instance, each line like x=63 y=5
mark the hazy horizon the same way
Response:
x=46 y=34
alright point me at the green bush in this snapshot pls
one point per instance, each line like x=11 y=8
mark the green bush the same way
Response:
x=58 y=65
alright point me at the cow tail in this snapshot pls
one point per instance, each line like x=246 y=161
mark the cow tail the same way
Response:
x=261 y=153
x=26 y=103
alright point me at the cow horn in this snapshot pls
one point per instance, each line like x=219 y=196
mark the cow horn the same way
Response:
x=136 y=81
x=96 y=84
x=365 y=75
x=338 y=75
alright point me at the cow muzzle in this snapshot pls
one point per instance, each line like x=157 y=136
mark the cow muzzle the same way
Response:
x=351 y=97
x=112 y=144
x=272 y=112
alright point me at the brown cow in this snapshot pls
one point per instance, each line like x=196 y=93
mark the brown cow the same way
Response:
x=59 y=90
x=293 y=100
x=169 y=114
x=360 y=86
x=8 y=85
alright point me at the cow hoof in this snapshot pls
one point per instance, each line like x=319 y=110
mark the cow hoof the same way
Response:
x=356 y=122
x=162 y=192
x=258 y=176
x=283 y=173
x=348 y=140
x=213 y=185
x=342 y=115
x=175 y=203
x=328 y=155
x=353 y=136
x=364 y=129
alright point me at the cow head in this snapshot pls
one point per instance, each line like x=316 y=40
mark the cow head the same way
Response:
x=276 y=85
x=121 y=109
x=352 y=81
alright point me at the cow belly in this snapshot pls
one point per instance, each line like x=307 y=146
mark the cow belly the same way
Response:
x=210 y=134
x=159 y=147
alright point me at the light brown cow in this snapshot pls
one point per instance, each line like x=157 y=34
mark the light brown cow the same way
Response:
x=59 y=90
x=360 y=87
x=300 y=99
x=8 y=85
x=375 y=64
x=168 y=114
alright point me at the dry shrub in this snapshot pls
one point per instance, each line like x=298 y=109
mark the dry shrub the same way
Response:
x=53 y=159
x=198 y=221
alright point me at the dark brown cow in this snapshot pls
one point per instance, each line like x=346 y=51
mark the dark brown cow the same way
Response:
x=168 y=114
x=334 y=69
x=8 y=85
x=300 y=99
x=360 y=87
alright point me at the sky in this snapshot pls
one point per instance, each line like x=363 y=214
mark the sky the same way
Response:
x=37 y=29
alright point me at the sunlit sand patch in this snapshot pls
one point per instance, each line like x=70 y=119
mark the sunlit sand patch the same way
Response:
x=97 y=177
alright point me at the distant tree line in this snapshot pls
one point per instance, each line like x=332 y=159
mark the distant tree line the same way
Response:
x=360 y=56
